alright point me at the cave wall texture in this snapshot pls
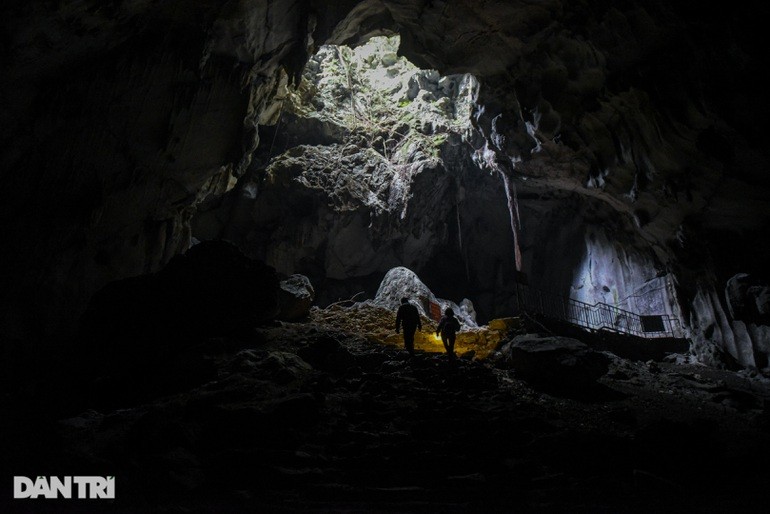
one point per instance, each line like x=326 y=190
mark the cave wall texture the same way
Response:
x=632 y=131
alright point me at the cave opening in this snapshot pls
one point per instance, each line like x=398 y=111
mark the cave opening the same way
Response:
x=364 y=166
x=369 y=163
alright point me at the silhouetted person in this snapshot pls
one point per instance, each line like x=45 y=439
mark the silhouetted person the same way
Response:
x=448 y=327
x=409 y=316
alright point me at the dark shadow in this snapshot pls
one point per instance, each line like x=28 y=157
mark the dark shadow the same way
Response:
x=592 y=393
x=623 y=345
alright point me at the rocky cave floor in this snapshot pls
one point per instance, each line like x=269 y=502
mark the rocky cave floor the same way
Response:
x=305 y=418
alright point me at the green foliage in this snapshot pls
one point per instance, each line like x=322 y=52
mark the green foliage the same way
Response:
x=439 y=140
x=374 y=116
x=434 y=145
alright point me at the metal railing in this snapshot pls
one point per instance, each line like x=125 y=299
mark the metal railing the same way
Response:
x=599 y=316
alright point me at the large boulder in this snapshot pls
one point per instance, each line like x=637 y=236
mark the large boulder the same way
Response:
x=555 y=364
x=295 y=297
x=211 y=290
x=402 y=282
x=218 y=289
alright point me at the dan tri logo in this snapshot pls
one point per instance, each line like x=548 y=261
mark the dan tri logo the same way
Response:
x=81 y=487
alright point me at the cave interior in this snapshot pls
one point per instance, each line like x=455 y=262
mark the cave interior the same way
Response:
x=214 y=210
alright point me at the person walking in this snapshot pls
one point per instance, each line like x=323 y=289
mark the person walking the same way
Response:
x=409 y=317
x=448 y=327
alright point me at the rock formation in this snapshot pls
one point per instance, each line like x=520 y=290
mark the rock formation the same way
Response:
x=613 y=137
x=560 y=365
x=295 y=297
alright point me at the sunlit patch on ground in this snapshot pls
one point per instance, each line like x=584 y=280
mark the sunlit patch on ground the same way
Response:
x=378 y=324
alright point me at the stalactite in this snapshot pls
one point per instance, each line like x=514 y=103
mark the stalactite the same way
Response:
x=489 y=157
x=513 y=209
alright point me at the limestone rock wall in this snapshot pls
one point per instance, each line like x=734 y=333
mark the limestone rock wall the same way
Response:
x=732 y=329
x=116 y=121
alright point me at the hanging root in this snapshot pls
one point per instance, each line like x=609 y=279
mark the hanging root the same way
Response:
x=352 y=299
